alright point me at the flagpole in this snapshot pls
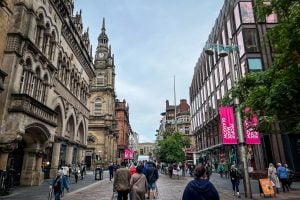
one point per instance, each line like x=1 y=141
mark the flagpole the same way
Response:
x=175 y=106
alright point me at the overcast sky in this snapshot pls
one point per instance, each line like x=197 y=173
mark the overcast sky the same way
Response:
x=153 y=41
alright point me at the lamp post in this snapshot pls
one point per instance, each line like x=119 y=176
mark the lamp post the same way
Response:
x=223 y=51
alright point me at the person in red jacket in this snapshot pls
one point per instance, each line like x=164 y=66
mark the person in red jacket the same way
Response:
x=132 y=169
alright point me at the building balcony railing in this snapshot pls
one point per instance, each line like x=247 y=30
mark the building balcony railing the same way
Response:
x=26 y=104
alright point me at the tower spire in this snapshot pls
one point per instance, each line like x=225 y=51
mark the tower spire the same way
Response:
x=103 y=39
x=103 y=24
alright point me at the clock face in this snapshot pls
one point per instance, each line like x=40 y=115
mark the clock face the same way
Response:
x=101 y=55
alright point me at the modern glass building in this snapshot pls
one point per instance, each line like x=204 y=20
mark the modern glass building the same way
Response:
x=236 y=27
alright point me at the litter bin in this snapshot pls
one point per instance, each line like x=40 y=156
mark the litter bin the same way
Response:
x=98 y=173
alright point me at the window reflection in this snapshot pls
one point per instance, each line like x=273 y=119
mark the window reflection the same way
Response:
x=250 y=38
x=247 y=12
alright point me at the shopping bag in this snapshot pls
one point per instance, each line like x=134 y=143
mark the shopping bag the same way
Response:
x=114 y=196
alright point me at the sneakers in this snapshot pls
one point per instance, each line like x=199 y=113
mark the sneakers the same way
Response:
x=238 y=194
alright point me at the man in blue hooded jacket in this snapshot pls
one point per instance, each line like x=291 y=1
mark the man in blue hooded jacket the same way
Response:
x=200 y=188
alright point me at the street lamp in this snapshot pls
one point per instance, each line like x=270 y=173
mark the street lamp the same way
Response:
x=223 y=51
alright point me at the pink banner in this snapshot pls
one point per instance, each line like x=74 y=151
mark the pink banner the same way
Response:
x=126 y=154
x=228 y=125
x=131 y=153
x=252 y=135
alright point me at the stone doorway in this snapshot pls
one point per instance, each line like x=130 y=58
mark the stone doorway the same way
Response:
x=15 y=161
x=34 y=143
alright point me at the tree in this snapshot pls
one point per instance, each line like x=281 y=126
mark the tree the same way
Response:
x=274 y=94
x=170 y=149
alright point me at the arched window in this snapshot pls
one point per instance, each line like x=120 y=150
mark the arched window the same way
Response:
x=39 y=28
x=23 y=81
x=37 y=91
x=44 y=89
x=100 y=79
x=46 y=38
x=98 y=106
x=24 y=85
x=52 y=46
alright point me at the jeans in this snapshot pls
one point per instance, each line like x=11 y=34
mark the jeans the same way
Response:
x=57 y=195
x=123 y=195
x=235 y=185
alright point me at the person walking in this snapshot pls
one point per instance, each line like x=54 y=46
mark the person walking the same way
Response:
x=235 y=180
x=132 y=169
x=111 y=171
x=170 y=170
x=152 y=176
x=208 y=170
x=200 y=188
x=122 y=182
x=138 y=184
x=57 y=184
x=273 y=177
x=283 y=177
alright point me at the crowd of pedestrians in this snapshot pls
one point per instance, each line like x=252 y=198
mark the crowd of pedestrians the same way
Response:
x=137 y=181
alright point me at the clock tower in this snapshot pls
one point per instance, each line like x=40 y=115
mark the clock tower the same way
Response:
x=102 y=123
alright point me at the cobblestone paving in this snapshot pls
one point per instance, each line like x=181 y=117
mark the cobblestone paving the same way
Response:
x=169 y=189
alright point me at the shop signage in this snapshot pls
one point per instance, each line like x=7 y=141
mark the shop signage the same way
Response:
x=266 y=186
x=228 y=125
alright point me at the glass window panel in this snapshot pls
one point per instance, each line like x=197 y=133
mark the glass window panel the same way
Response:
x=241 y=44
x=229 y=83
x=272 y=18
x=226 y=61
x=237 y=17
x=222 y=90
x=247 y=12
x=251 y=42
x=211 y=82
x=254 y=64
x=229 y=29
x=223 y=37
x=221 y=71
x=243 y=68
x=216 y=76
x=213 y=99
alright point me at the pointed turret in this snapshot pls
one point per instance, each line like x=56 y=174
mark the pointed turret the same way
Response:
x=86 y=39
x=103 y=39
x=77 y=20
x=70 y=7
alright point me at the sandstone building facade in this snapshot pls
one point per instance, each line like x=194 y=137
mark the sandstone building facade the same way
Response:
x=44 y=113
x=102 y=138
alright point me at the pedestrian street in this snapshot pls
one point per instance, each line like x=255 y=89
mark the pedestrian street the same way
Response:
x=169 y=189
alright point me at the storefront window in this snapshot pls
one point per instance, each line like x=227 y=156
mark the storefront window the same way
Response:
x=254 y=64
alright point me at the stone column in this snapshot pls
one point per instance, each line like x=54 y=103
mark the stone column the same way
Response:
x=79 y=155
x=31 y=170
x=69 y=154
x=55 y=159
x=3 y=160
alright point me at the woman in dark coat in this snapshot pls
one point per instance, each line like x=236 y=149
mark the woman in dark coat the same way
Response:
x=235 y=180
x=200 y=188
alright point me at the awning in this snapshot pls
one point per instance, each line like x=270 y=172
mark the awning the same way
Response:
x=209 y=148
